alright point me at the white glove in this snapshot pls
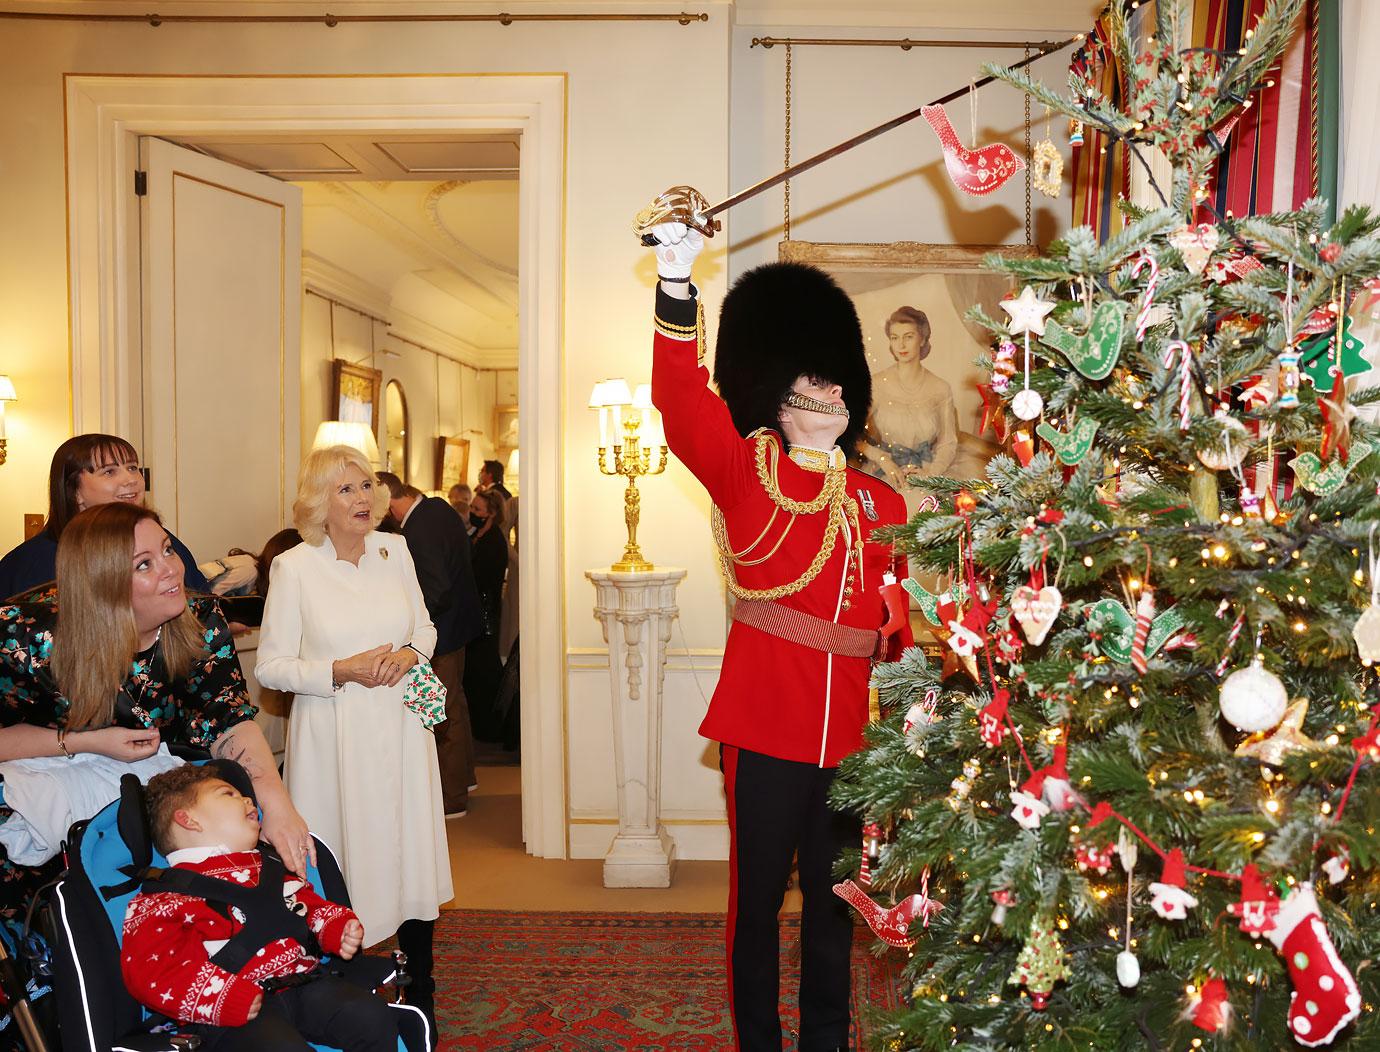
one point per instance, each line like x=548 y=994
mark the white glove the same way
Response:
x=676 y=249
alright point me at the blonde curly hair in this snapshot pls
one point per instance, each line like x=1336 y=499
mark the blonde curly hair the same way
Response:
x=317 y=479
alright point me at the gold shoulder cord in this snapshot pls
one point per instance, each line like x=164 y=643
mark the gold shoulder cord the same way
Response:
x=832 y=494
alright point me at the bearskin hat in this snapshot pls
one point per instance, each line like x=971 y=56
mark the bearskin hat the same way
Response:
x=781 y=321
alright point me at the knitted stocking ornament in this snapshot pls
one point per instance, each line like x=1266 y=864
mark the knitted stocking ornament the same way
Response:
x=1325 y=997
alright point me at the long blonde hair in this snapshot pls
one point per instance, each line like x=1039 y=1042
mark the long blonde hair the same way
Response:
x=319 y=475
x=96 y=640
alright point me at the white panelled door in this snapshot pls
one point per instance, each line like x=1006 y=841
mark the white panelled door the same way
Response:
x=222 y=299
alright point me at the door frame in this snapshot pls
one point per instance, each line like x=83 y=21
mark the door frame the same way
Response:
x=106 y=114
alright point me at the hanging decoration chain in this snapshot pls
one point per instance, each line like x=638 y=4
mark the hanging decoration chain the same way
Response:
x=786 y=187
x=1029 y=166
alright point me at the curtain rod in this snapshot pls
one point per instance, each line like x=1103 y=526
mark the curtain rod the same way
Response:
x=684 y=18
x=904 y=43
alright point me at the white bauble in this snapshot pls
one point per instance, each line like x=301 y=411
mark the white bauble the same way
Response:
x=1367 y=635
x=1027 y=405
x=1253 y=699
x=1234 y=445
x=1127 y=969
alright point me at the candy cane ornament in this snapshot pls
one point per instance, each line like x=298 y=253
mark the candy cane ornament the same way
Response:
x=1231 y=642
x=1185 y=376
x=1145 y=616
x=1143 y=316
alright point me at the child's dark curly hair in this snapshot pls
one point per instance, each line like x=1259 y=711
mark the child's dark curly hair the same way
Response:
x=171 y=790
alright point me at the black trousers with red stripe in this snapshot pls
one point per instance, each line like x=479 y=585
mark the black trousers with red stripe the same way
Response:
x=778 y=810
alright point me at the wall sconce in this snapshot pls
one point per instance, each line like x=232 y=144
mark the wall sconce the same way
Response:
x=635 y=433
x=355 y=434
x=6 y=395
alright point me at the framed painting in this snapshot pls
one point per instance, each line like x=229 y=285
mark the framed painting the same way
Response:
x=912 y=300
x=452 y=463
x=355 y=392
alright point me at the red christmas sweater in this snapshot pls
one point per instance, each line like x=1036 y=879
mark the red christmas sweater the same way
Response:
x=775 y=696
x=169 y=939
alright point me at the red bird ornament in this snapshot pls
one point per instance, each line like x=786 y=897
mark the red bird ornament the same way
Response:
x=975 y=172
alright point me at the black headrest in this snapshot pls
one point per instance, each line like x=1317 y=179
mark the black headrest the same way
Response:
x=232 y=772
x=133 y=821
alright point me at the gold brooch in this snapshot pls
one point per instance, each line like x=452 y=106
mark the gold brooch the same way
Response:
x=383 y=553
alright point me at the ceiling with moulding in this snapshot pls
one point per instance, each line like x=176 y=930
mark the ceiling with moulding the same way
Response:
x=439 y=259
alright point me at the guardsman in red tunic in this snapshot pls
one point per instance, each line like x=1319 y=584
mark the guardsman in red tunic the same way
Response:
x=792 y=522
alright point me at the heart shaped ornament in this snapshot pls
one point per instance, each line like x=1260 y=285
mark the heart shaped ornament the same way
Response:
x=1035 y=611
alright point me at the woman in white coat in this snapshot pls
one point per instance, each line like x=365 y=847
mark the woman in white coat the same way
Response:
x=343 y=624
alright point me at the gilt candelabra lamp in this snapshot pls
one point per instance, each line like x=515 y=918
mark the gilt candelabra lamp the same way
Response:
x=639 y=448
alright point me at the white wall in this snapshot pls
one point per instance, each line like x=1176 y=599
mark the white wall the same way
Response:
x=633 y=129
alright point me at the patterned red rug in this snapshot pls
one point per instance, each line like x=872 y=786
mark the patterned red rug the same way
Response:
x=610 y=982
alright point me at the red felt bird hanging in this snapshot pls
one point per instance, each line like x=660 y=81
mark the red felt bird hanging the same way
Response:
x=975 y=172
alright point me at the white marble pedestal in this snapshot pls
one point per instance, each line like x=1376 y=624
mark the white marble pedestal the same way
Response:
x=636 y=611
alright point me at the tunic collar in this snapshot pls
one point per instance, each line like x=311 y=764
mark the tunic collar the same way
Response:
x=819 y=460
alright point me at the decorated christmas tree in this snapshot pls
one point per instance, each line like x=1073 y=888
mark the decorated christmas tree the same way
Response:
x=1140 y=794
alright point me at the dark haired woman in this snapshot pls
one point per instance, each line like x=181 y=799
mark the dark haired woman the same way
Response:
x=483 y=666
x=125 y=664
x=87 y=470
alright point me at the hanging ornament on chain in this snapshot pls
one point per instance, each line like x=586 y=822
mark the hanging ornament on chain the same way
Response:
x=1258 y=904
x=1036 y=605
x=976 y=171
x=1289 y=375
x=1325 y=997
x=1209 y=1007
x=1232 y=444
x=1169 y=897
x=1003 y=367
x=871 y=853
x=1027 y=312
x=1002 y=898
x=1253 y=698
x=961 y=786
x=1047 y=171
x=1367 y=629
x=1127 y=964
x=892 y=925
x=1145 y=618
x=1041 y=962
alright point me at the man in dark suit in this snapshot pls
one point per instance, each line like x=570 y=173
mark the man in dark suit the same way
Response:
x=491 y=480
x=440 y=548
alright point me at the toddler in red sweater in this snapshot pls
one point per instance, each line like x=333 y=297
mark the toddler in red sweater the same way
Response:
x=262 y=991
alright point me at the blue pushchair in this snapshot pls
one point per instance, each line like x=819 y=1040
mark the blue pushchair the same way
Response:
x=107 y=859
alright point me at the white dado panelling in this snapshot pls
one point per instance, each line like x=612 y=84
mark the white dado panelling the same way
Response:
x=692 y=799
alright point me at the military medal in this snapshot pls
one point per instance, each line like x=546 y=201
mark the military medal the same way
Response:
x=869 y=506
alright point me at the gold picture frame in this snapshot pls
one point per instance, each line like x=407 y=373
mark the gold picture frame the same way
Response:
x=926 y=416
x=355 y=393
x=452 y=463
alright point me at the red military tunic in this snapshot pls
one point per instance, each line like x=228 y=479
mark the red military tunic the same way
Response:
x=775 y=696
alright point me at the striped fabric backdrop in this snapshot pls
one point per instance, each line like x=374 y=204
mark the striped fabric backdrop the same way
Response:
x=1272 y=159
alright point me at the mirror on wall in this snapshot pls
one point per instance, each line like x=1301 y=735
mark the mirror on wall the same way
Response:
x=396 y=440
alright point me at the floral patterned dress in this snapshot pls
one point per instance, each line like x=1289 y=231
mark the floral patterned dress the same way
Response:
x=193 y=711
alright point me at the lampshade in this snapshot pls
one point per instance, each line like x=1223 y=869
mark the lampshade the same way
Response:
x=610 y=392
x=352 y=433
x=642 y=397
x=7 y=389
x=511 y=471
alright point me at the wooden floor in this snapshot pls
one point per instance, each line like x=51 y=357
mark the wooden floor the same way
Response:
x=493 y=872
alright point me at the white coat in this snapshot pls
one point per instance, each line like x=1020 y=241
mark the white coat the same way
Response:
x=360 y=768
